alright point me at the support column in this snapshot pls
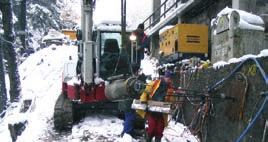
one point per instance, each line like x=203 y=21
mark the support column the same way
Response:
x=156 y=4
x=154 y=39
x=246 y=5
x=180 y=19
x=154 y=45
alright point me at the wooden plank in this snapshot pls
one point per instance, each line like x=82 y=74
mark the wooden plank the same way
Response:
x=153 y=106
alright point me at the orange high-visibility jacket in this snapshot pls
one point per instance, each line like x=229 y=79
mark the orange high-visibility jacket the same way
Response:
x=148 y=94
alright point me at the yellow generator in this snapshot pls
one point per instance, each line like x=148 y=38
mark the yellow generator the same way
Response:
x=185 y=40
x=70 y=33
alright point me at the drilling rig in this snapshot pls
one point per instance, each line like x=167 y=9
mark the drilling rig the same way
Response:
x=101 y=76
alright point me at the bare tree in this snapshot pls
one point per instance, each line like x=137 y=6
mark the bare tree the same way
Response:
x=3 y=91
x=9 y=51
x=22 y=22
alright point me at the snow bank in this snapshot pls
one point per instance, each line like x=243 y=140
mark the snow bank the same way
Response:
x=41 y=82
x=219 y=64
x=165 y=29
x=53 y=34
x=247 y=17
x=98 y=128
x=41 y=74
x=177 y=132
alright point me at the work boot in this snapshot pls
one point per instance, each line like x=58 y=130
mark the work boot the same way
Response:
x=122 y=134
x=157 y=140
x=148 y=138
x=133 y=134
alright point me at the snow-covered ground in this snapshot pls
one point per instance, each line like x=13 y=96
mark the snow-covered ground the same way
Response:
x=41 y=82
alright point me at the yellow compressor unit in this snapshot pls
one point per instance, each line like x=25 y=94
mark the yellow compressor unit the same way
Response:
x=186 y=40
x=70 y=33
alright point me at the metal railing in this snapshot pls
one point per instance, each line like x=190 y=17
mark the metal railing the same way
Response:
x=154 y=18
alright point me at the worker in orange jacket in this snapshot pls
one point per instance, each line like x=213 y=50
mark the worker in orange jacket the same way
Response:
x=157 y=90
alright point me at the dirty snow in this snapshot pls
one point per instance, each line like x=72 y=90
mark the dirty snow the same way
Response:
x=176 y=132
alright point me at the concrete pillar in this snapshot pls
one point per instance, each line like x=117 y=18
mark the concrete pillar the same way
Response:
x=180 y=19
x=154 y=39
x=156 y=4
x=246 y=5
x=154 y=45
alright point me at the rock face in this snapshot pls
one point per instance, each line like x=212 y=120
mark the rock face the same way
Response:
x=26 y=105
x=16 y=129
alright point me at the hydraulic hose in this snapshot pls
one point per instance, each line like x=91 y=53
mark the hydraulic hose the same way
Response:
x=265 y=77
x=244 y=133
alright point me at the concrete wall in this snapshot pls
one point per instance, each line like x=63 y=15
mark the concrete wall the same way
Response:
x=223 y=122
x=234 y=43
x=257 y=7
x=240 y=38
x=156 y=4
x=208 y=12
x=262 y=7
x=221 y=125
x=246 y=5
x=154 y=40
x=205 y=16
x=237 y=41
x=248 y=42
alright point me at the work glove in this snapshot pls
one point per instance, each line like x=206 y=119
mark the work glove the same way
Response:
x=138 y=48
x=146 y=106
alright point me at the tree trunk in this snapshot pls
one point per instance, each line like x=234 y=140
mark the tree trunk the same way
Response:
x=9 y=52
x=3 y=91
x=22 y=22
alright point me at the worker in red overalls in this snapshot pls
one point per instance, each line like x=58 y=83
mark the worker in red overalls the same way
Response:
x=157 y=90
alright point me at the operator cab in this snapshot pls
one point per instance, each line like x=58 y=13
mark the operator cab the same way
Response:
x=107 y=36
x=109 y=58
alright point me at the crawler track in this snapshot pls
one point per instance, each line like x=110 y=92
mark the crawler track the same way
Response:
x=63 y=114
